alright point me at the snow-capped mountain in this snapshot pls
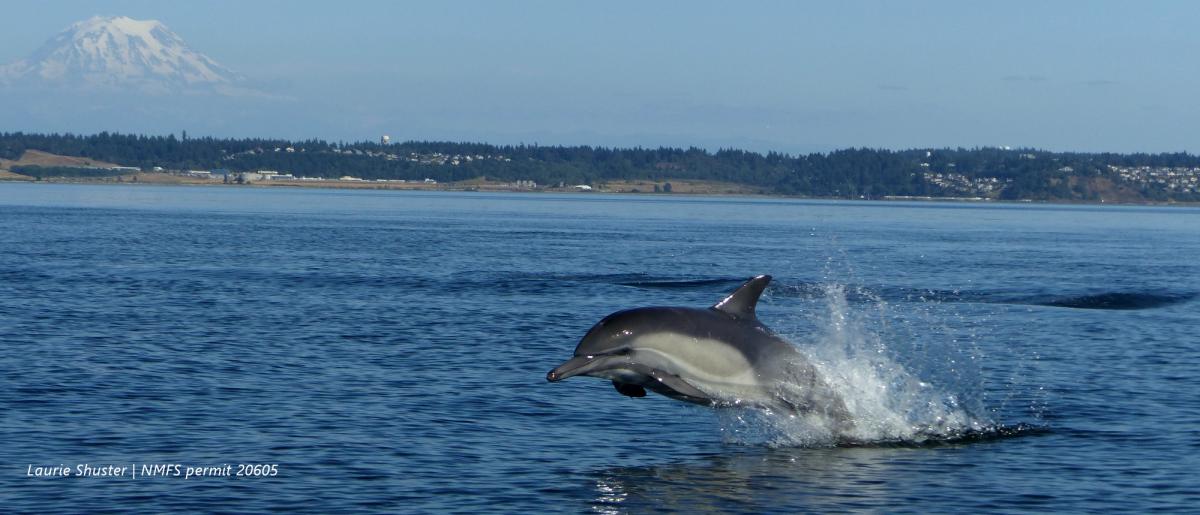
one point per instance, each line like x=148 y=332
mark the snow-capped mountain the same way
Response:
x=120 y=53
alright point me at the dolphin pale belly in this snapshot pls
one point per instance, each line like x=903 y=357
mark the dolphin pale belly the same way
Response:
x=720 y=356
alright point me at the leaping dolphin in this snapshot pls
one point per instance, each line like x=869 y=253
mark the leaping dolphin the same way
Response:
x=720 y=356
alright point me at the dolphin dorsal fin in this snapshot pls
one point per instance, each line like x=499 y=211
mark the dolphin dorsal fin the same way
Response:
x=741 y=302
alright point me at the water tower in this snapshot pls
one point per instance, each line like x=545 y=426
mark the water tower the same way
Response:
x=385 y=139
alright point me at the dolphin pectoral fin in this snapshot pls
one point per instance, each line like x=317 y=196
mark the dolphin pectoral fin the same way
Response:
x=629 y=390
x=679 y=387
x=741 y=303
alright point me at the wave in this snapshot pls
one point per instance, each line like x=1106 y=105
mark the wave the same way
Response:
x=1113 y=300
x=931 y=437
x=1105 y=300
x=689 y=284
x=540 y=283
x=1120 y=300
x=718 y=286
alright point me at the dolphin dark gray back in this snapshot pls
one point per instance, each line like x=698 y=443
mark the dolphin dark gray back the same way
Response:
x=749 y=336
x=732 y=320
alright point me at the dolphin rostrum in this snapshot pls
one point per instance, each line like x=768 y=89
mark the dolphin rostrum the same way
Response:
x=720 y=356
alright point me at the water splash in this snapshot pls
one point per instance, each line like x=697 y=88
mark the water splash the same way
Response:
x=933 y=395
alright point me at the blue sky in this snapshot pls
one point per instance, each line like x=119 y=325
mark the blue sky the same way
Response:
x=789 y=76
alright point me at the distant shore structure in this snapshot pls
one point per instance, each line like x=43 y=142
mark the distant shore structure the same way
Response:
x=385 y=139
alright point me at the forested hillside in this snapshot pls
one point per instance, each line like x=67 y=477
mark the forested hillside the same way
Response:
x=851 y=173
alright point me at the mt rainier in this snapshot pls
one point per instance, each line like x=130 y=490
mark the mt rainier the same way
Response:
x=120 y=53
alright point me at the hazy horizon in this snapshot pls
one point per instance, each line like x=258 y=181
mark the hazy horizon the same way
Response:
x=794 y=78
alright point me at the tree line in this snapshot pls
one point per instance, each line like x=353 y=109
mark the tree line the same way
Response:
x=847 y=173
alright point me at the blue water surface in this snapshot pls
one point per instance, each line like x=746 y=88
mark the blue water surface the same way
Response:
x=387 y=350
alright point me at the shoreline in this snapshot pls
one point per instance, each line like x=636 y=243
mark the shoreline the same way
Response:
x=690 y=189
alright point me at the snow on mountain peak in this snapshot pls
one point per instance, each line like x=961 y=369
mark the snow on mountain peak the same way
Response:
x=118 y=52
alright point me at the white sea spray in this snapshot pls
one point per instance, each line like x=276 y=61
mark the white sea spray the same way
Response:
x=896 y=390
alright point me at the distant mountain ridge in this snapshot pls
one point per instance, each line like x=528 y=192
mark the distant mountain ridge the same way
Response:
x=121 y=53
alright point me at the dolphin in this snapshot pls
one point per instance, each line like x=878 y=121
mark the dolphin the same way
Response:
x=722 y=356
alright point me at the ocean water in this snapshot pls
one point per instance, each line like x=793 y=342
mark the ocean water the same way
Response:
x=386 y=352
